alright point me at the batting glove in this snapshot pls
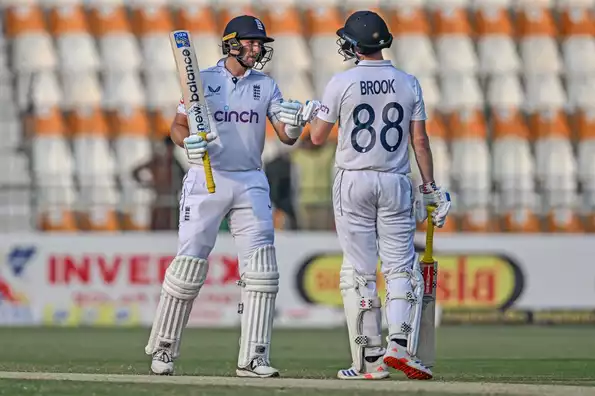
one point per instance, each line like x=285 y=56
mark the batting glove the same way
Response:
x=295 y=113
x=439 y=198
x=420 y=211
x=196 y=147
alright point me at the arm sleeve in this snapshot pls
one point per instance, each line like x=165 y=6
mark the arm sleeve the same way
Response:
x=419 y=107
x=331 y=102
x=276 y=97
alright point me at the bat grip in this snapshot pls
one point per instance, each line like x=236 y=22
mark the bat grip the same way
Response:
x=206 y=160
x=428 y=256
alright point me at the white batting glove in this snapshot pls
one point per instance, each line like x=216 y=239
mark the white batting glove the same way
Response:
x=310 y=110
x=420 y=211
x=196 y=146
x=439 y=198
x=294 y=113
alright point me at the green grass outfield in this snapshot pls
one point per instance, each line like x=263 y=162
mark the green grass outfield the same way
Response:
x=471 y=361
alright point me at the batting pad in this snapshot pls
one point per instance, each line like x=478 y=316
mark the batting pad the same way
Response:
x=260 y=283
x=362 y=313
x=406 y=286
x=183 y=279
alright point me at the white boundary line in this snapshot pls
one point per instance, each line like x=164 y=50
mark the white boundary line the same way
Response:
x=320 y=384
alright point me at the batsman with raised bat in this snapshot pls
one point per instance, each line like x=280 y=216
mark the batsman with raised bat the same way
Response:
x=238 y=100
x=380 y=110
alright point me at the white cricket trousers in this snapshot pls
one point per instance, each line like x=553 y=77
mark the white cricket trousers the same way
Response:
x=243 y=197
x=374 y=216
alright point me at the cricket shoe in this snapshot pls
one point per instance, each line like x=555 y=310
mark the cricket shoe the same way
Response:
x=162 y=363
x=398 y=358
x=374 y=370
x=259 y=367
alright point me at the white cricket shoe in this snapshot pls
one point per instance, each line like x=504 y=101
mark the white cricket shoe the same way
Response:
x=162 y=363
x=373 y=371
x=258 y=368
x=398 y=358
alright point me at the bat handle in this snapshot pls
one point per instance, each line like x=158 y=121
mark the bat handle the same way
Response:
x=428 y=256
x=206 y=160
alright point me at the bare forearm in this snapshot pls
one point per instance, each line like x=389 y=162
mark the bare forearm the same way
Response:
x=320 y=131
x=425 y=161
x=178 y=133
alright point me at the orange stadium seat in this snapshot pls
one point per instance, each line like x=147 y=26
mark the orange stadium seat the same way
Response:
x=152 y=23
x=132 y=143
x=292 y=62
x=471 y=166
x=41 y=89
x=202 y=24
x=496 y=46
x=454 y=40
x=408 y=19
x=522 y=220
x=538 y=47
x=32 y=48
x=123 y=88
x=577 y=21
x=439 y=144
x=505 y=91
x=53 y=167
x=68 y=24
x=95 y=169
x=578 y=42
x=117 y=43
x=413 y=48
x=291 y=48
x=564 y=220
x=321 y=25
x=431 y=92
x=513 y=170
x=81 y=89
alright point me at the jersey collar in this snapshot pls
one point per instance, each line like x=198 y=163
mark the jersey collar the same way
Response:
x=224 y=70
x=385 y=62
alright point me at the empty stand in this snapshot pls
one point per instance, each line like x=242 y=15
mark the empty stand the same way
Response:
x=87 y=89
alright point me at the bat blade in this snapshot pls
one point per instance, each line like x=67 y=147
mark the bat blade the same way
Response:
x=426 y=350
x=193 y=93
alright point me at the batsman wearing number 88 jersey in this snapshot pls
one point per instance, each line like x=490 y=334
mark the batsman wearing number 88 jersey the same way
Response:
x=380 y=110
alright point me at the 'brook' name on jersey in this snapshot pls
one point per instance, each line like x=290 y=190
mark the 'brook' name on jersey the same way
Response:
x=374 y=103
x=238 y=108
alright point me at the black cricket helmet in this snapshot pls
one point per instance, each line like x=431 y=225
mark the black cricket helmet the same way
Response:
x=365 y=32
x=247 y=27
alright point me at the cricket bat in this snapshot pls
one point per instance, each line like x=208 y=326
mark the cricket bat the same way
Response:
x=192 y=92
x=426 y=350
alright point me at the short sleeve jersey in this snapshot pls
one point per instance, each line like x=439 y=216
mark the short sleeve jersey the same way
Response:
x=374 y=103
x=238 y=108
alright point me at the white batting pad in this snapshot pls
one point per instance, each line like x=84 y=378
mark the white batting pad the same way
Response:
x=362 y=312
x=404 y=305
x=260 y=283
x=183 y=280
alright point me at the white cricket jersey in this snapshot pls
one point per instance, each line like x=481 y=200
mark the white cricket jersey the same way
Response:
x=374 y=103
x=238 y=108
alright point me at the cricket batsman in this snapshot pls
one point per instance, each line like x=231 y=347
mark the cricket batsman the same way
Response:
x=239 y=98
x=380 y=110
